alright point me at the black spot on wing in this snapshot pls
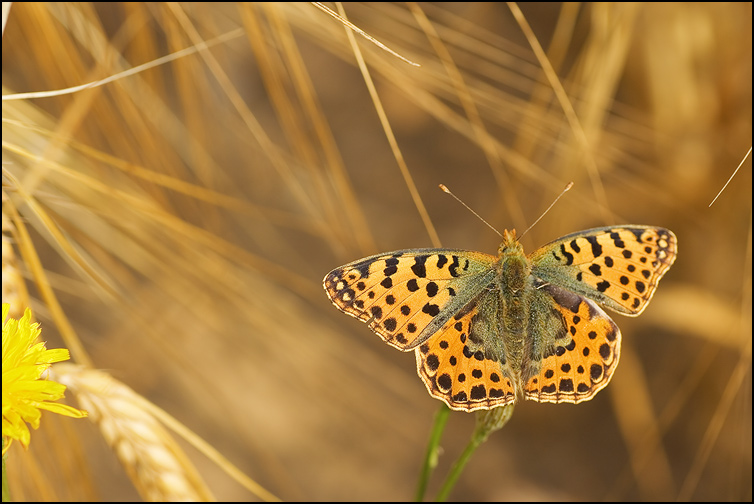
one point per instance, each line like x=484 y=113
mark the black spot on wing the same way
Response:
x=617 y=240
x=391 y=266
x=453 y=268
x=442 y=260
x=419 y=268
x=444 y=381
x=432 y=289
x=478 y=392
x=433 y=362
x=363 y=269
x=390 y=324
x=431 y=309
x=568 y=256
x=638 y=233
x=566 y=385
x=596 y=247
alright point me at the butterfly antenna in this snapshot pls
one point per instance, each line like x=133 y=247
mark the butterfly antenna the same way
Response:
x=570 y=184
x=442 y=186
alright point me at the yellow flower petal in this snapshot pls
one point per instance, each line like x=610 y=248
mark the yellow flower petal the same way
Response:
x=25 y=392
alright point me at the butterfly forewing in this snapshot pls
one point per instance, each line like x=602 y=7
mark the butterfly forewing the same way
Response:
x=407 y=295
x=619 y=267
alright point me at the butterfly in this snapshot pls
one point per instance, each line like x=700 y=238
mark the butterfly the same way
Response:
x=488 y=330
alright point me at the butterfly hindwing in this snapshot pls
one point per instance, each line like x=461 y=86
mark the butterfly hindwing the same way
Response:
x=464 y=363
x=576 y=347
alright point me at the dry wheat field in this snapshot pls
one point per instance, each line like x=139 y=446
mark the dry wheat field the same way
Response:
x=178 y=178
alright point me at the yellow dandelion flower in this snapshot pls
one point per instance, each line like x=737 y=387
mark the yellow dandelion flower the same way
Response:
x=25 y=391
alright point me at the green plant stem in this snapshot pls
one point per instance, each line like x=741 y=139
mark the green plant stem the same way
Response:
x=487 y=422
x=431 y=455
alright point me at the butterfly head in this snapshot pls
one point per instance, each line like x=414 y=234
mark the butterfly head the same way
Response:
x=510 y=244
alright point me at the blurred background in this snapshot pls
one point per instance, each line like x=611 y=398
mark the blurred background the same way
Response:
x=185 y=213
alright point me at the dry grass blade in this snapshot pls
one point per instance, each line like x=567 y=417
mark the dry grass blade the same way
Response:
x=358 y=30
x=405 y=172
x=731 y=176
